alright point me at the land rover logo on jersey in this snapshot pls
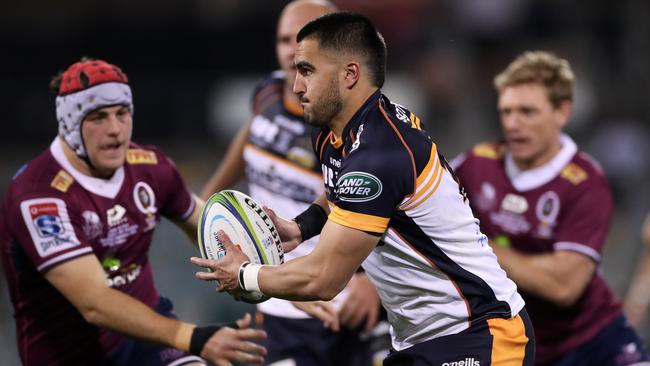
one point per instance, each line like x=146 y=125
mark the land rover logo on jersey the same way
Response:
x=144 y=198
x=358 y=187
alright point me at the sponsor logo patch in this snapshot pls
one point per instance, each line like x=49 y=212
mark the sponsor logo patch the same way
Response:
x=574 y=174
x=49 y=225
x=358 y=187
x=62 y=181
x=514 y=203
x=92 y=225
x=487 y=150
x=115 y=215
x=139 y=156
x=124 y=276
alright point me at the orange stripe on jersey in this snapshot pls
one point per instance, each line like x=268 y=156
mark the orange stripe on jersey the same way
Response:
x=433 y=265
x=334 y=141
x=415 y=121
x=359 y=221
x=509 y=341
x=383 y=111
x=281 y=161
x=430 y=177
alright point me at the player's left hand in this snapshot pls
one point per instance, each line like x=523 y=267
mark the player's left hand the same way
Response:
x=236 y=345
x=361 y=304
x=225 y=270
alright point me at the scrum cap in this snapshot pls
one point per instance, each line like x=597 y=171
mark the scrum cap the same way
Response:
x=86 y=86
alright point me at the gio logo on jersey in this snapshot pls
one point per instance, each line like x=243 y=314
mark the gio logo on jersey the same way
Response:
x=358 y=187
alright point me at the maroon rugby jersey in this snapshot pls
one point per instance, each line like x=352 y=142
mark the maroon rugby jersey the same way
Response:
x=52 y=214
x=564 y=205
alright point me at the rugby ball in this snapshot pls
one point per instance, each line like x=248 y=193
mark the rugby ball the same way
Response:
x=247 y=226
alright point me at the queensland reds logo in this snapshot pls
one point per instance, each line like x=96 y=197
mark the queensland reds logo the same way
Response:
x=144 y=198
x=547 y=210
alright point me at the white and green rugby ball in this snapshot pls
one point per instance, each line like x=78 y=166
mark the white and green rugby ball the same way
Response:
x=247 y=226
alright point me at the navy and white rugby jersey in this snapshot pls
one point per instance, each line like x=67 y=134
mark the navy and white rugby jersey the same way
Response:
x=433 y=268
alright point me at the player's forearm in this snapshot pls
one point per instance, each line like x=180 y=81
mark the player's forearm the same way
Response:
x=324 y=272
x=637 y=300
x=539 y=275
x=122 y=313
x=189 y=226
x=300 y=280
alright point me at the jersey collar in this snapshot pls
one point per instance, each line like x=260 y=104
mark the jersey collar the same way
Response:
x=359 y=115
x=524 y=180
x=108 y=188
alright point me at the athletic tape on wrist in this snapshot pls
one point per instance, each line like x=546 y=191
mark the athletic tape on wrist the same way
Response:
x=248 y=276
x=241 y=274
x=311 y=221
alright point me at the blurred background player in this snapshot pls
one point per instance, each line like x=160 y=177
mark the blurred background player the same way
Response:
x=546 y=207
x=637 y=300
x=75 y=229
x=274 y=152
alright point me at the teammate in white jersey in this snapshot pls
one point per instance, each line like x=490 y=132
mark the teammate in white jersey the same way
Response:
x=448 y=301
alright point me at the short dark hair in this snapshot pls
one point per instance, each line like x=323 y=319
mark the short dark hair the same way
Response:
x=350 y=32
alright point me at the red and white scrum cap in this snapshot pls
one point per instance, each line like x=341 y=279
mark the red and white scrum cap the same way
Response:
x=85 y=87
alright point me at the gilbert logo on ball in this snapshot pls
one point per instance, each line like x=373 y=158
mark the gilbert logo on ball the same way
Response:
x=247 y=226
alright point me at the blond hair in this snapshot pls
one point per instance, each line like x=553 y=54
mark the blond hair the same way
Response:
x=539 y=67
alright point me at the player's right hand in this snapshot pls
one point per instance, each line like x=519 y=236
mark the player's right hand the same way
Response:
x=288 y=230
x=228 y=345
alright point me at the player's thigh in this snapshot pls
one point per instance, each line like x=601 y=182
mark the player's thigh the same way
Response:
x=495 y=342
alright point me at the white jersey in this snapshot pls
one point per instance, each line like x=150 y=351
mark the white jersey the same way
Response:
x=433 y=268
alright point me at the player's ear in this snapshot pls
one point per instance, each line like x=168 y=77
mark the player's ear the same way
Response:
x=351 y=74
x=564 y=113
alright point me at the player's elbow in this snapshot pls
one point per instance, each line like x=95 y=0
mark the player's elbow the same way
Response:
x=566 y=297
x=324 y=290
x=91 y=313
x=92 y=309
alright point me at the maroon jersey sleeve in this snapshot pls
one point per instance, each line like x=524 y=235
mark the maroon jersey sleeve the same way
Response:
x=47 y=228
x=176 y=199
x=586 y=219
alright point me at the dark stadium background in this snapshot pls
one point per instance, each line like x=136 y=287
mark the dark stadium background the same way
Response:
x=192 y=64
